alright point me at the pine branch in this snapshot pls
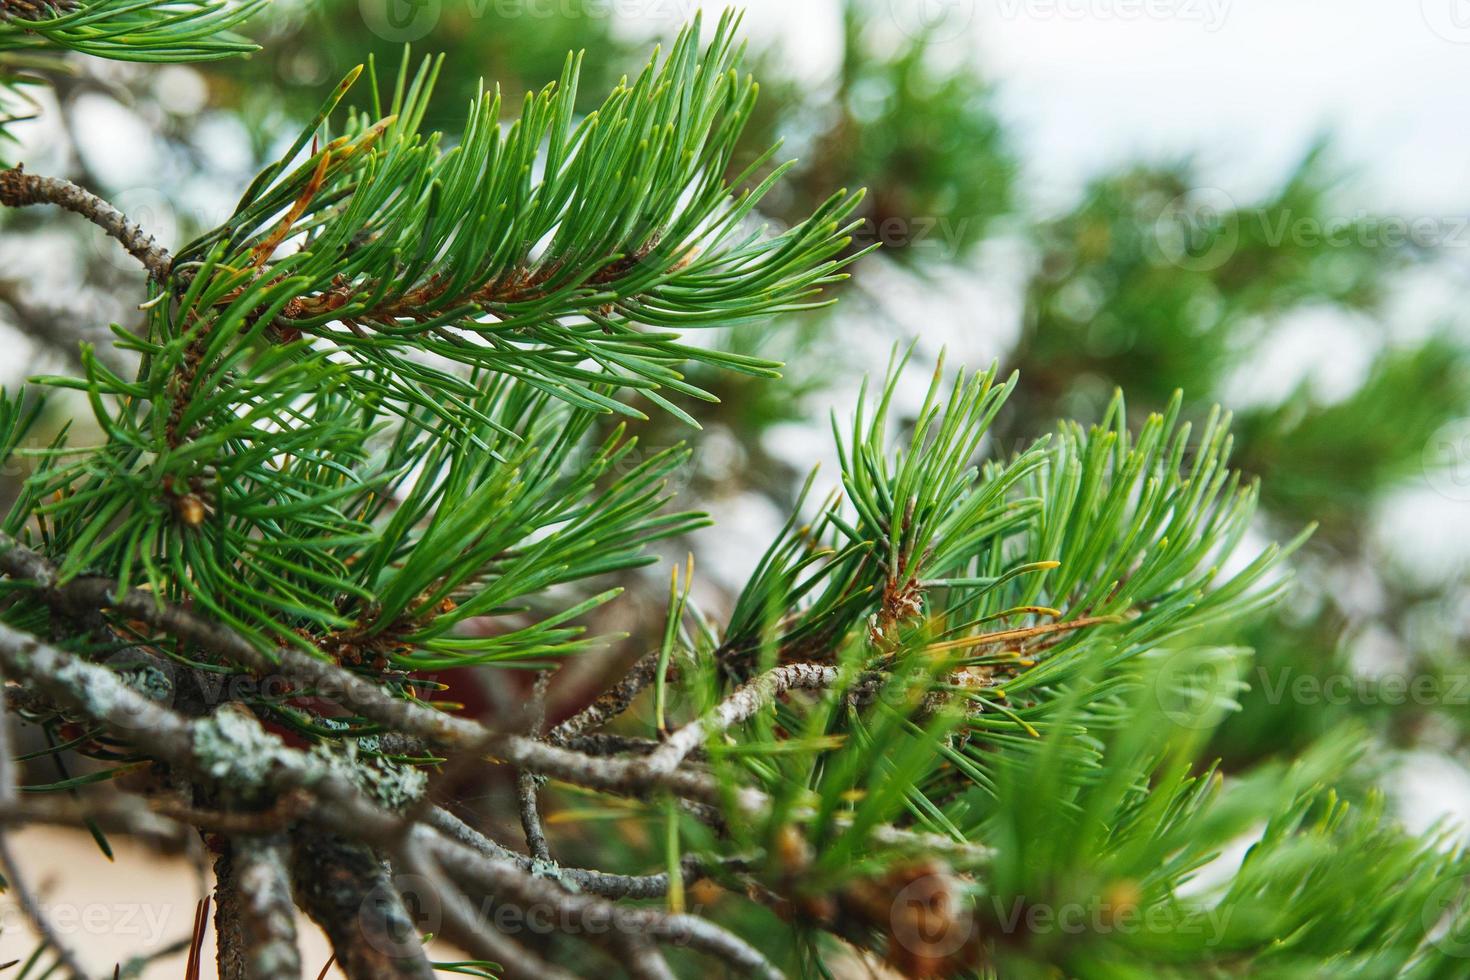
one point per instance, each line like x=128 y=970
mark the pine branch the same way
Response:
x=19 y=189
x=344 y=888
x=404 y=247
x=628 y=777
x=738 y=707
x=527 y=785
x=233 y=750
x=255 y=917
x=464 y=922
x=609 y=704
x=128 y=30
x=358 y=448
x=122 y=30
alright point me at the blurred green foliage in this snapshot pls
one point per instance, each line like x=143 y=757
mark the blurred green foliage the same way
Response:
x=923 y=138
x=1156 y=282
x=310 y=44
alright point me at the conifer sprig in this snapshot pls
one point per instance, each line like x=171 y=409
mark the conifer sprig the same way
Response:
x=330 y=402
x=153 y=31
x=564 y=252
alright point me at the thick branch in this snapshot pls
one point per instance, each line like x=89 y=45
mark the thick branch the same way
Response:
x=327 y=679
x=19 y=189
x=232 y=748
x=466 y=924
x=255 y=924
x=229 y=748
x=355 y=692
x=345 y=889
x=623 y=776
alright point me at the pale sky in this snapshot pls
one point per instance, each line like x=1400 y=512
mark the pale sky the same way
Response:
x=1244 y=83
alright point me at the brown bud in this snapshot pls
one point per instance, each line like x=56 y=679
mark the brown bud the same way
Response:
x=1121 y=900
x=792 y=850
x=705 y=892
x=191 y=509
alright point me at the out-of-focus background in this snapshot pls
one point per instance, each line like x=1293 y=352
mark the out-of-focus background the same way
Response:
x=1265 y=204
